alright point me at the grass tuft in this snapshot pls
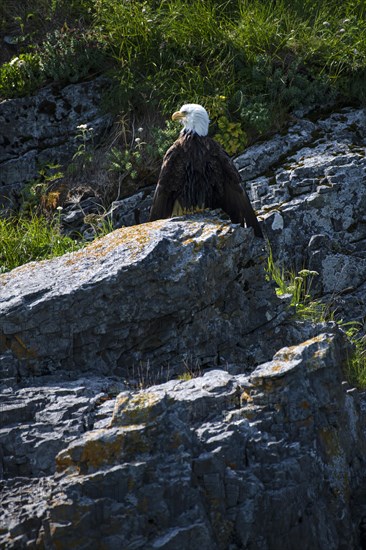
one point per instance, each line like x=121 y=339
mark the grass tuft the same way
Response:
x=24 y=239
x=306 y=308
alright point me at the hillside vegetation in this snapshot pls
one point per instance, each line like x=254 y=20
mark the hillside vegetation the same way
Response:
x=250 y=62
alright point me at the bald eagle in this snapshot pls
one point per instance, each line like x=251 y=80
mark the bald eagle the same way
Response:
x=197 y=173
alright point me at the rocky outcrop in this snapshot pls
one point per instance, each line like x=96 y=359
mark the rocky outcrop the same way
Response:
x=274 y=459
x=310 y=189
x=150 y=296
x=103 y=446
x=42 y=129
x=38 y=419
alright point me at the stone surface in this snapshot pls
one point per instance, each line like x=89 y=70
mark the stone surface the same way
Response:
x=256 y=452
x=312 y=200
x=151 y=296
x=271 y=460
x=42 y=129
x=37 y=420
x=308 y=187
x=132 y=210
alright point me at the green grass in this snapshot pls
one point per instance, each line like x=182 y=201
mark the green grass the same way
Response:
x=283 y=54
x=356 y=365
x=265 y=58
x=307 y=308
x=24 y=239
x=300 y=287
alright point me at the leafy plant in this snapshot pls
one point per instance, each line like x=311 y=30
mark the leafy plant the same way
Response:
x=85 y=150
x=70 y=55
x=99 y=226
x=139 y=158
x=300 y=287
x=41 y=195
x=257 y=116
x=21 y=76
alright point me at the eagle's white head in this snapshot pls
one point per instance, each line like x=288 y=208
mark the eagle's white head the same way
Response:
x=194 y=118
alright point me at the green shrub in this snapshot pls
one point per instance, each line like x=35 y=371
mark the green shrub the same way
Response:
x=21 y=76
x=167 y=53
x=276 y=56
x=70 y=55
x=139 y=158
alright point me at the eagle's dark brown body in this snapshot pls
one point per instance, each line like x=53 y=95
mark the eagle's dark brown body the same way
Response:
x=197 y=173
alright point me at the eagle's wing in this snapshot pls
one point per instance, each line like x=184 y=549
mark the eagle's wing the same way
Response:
x=167 y=187
x=233 y=198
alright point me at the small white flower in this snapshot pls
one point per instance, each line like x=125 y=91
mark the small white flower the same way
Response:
x=326 y=24
x=342 y=31
x=82 y=127
x=345 y=21
x=137 y=140
x=59 y=208
x=13 y=61
x=140 y=130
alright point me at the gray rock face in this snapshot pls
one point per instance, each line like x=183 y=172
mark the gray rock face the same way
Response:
x=272 y=460
x=131 y=211
x=155 y=295
x=42 y=129
x=308 y=188
x=99 y=450
x=39 y=419
x=312 y=199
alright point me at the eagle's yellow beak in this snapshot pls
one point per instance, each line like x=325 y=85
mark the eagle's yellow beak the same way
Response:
x=178 y=115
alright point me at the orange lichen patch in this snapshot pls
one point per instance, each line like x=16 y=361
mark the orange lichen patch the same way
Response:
x=26 y=268
x=245 y=396
x=16 y=344
x=287 y=354
x=100 y=448
x=4 y=279
x=250 y=414
x=290 y=353
x=205 y=232
x=134 y=239
x=277 y=368
x=142 y=408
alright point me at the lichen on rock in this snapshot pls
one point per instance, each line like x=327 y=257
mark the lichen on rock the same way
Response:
x=262 y=444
